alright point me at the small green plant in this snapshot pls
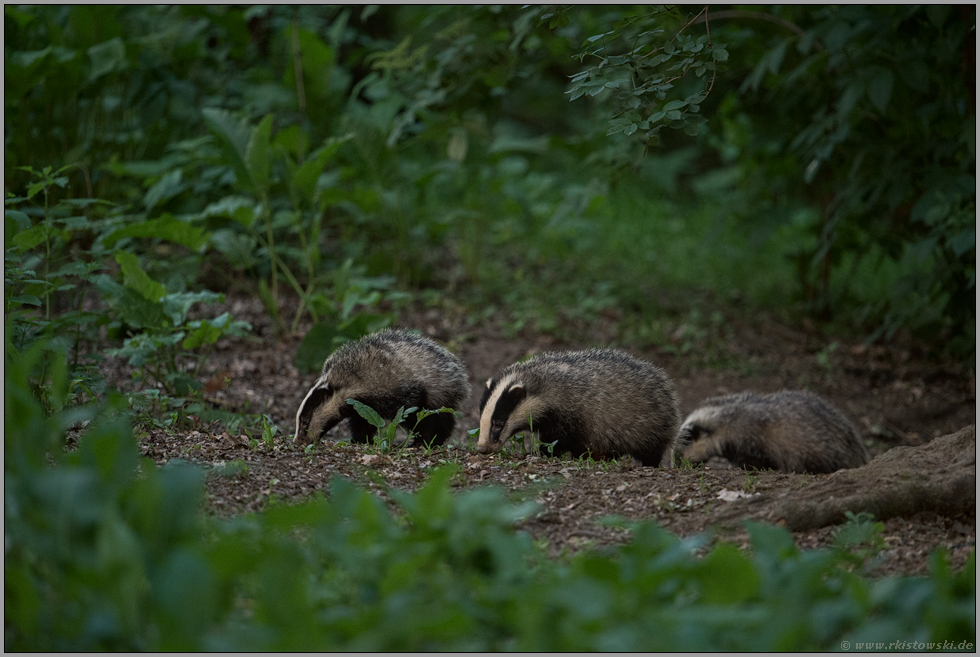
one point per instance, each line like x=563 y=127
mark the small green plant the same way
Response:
x=385 y=439
x=824 y=355
x=236 y=468
x=751 y=480
x=860 y=537
x=269 y=431
x=163 y=333
x=256 y=155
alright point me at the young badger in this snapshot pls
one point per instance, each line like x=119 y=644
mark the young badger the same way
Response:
x=790 y=430
x=386 y=371
x=598 y=402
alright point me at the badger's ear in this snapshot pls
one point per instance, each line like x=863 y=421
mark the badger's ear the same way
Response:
x=516 y=393
x=485 y=397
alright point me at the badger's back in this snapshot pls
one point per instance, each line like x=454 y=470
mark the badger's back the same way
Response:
x=790 y=430
x=392 y=360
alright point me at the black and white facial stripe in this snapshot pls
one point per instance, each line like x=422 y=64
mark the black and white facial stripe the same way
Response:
x=510 y=412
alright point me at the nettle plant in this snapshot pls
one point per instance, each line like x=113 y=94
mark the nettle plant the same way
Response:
x=163 y=334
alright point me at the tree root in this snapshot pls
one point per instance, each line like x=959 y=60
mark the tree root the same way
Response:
x=939 y=476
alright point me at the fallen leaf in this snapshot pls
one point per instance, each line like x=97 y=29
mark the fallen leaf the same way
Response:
x=731 y=495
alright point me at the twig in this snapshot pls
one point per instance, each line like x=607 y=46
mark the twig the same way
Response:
x=757 y=15
x=714 y=72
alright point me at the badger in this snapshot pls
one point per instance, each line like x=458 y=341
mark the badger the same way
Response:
x=600 y=402
x=790 y=430
x=387 y=370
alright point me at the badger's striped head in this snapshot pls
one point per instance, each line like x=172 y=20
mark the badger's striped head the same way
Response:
x=505 y=410
x=699 y=424
x=323 y=407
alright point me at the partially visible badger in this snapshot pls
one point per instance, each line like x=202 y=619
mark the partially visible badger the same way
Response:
x=386 y=370
x=790 y=430
x=600 y=402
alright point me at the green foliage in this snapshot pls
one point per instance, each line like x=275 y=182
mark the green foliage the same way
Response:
x=832 y=171
x=862 y=535
x=641 y=64
x=385 y=440
x=108 y=552
x=861 y=114
x=50 y=307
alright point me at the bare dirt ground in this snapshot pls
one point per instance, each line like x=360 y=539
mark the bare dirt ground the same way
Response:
x=895 y=396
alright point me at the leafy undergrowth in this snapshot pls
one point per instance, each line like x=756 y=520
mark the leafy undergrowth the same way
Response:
x=105 y=551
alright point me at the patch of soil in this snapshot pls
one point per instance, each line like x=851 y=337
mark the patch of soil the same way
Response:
x=898 y=399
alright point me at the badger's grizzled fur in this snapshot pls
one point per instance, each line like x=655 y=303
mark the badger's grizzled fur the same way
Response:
x=386 y=370
x=600 y=402
x=790 y=430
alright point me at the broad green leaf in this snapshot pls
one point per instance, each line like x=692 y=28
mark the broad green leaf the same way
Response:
x=257 y=155
x=237 y=248
x=107 y=57
x=236 y=134
x=164 y=189
x=306 y=175
x=25 y=299
x=26 y=58
x=177 y=305
x=28 y=239
x=367 y=413
x=138 y=280
x=242 y=209
x=727 y=576
x=880 y=89
x=14 y=221
x=293 y=140
x=75 y=268
x=719 y=55
x=166 y=228
x=138 y=311
x=675 y=105
x=206 y=333
x=963 y=241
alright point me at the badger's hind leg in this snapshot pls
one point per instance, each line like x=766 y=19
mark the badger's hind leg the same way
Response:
x=435 y=429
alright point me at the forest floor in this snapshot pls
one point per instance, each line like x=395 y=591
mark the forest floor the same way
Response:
x=895 y=396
